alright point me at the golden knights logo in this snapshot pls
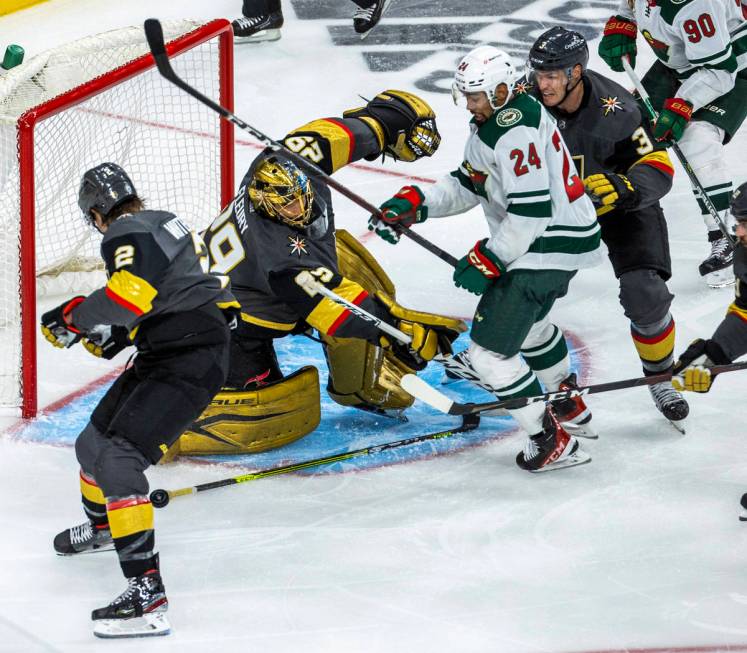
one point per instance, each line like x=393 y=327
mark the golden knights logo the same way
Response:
x=477 y=177
x=610 y=105
x=297 y=245
x=523 y=86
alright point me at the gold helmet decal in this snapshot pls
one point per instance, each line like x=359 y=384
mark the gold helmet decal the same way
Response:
x=281 y=190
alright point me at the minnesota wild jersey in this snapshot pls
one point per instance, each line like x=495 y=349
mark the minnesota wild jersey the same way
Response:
x=704 y=41
x=518 y=169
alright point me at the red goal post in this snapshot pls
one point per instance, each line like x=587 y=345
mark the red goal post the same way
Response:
x=62 y=112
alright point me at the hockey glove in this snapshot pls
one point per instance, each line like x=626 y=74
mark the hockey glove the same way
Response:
x=693 y=370
x=405 y=208
x=106 y=341
x=672 y=120
x=57 y=329
x=478 y=269
x=404 y=124
x=611 y=191
x=618 y=42
x=424 y=345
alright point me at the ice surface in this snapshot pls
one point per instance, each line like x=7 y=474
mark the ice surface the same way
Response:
x=641 y=550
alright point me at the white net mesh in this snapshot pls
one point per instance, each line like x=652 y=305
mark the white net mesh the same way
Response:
x=167 y=142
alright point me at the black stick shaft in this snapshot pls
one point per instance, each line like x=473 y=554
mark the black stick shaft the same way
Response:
x=154 y=36
x=472 y=409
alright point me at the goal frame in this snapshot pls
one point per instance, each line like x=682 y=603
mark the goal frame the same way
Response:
x=218 y=28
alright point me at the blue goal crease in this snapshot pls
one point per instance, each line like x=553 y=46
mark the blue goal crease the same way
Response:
x=341 y=428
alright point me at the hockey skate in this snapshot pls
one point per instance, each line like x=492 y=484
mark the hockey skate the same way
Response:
x=256 y=29
x=86 y=538
x=743 y=502
x=366 y=19
x=140 y=611
x=717 y=268
x=573 y=413
x=552 y=449
x=670 y=403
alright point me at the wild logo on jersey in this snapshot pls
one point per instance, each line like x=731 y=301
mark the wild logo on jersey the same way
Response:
x=508 y=117
x=610 y=105
x=297 y=245
x=660 y=48
x=478 y=179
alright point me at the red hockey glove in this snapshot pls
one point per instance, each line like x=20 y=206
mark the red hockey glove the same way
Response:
x=478 y=269
x=673 y=119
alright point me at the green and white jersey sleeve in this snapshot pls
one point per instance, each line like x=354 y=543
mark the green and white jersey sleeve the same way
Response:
x=518 y=169
x=705 y=41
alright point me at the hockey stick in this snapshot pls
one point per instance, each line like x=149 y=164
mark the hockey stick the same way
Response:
x=154 y=36
x=307 y=281
x=429 y=395
x=694 y=181
x=160 y=498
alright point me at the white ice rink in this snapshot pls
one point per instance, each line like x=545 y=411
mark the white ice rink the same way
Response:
x=639 y=551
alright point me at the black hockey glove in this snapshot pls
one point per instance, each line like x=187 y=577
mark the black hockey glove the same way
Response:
x=105 y=341
x=56 y=329
x=693 y=369
x=611 y=191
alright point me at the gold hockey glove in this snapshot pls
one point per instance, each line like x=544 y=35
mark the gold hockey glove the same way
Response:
x=611 y=191
x=693 y=369
x=57 y=327
x=105 y=341
x=405 y=121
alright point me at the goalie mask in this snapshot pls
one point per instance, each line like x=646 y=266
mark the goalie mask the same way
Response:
x=484 y=69
x=281 y=190
x=104 y=188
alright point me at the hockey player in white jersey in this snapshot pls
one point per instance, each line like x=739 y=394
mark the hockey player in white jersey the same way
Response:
x=699 y=86
x=542 y=229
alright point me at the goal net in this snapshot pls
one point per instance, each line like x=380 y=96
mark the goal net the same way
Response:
x=64 y=111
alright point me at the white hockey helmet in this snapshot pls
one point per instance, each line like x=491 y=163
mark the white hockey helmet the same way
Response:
x=483 y=69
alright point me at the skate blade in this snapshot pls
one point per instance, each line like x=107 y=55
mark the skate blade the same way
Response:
x=149 y=625
x=720 y=278
x=743 y=516
x=259 y=37
x=100 y=549
x=581 y=430
x=578 y=458
x=679 y=425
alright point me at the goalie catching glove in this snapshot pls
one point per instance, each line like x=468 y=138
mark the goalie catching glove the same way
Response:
x=106 y=341
x=404 y=209
x=57 y=327
x=692 y=371
x=611 y=191
x=404 y=124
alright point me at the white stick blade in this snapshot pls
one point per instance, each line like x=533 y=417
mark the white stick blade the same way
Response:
x=426 y=393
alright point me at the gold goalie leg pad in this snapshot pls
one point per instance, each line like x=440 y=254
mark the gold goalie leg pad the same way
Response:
x=250 y=421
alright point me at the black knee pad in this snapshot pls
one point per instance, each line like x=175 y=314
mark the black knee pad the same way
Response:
x=644 y=296
x=118 y=468
x=250 y=359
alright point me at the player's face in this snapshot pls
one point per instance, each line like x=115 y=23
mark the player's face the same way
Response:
x=741 y=231
x=552 y=85
x=479 y=106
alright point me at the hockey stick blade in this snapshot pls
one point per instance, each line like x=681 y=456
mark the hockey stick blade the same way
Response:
x=154 y=36
x=160 y=498
x=429 y=395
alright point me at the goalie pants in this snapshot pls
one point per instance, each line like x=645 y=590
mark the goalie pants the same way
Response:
x=514 y=344
x=181 y=363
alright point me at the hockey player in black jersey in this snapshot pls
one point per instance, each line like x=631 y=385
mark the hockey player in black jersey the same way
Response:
x=729 y=341
x=161 y=299
x=626 y=173
x=281 y=223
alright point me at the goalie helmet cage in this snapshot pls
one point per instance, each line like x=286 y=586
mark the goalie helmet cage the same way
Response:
x=64 y=111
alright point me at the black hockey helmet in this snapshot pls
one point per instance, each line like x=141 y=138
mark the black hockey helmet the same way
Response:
x=558 y=49
x=738 y=203
x=104 y=188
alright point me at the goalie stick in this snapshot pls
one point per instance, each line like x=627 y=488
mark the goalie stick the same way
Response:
x=160 y=498
x=676 y=148
x=429 y=395
x=154 y=36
